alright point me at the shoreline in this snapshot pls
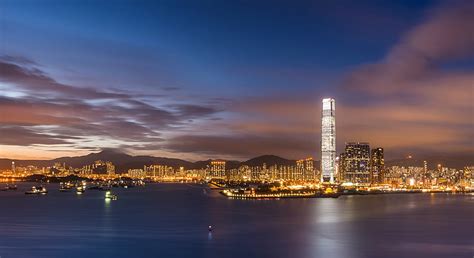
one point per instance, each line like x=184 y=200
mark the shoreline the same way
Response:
x=277 y=196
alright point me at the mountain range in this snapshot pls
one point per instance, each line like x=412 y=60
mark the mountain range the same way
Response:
x=123 y=161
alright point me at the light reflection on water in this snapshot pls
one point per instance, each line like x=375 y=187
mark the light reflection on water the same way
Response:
x=331 y=238
x=172 y=221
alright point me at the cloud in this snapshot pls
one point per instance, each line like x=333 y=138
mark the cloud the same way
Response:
x=50 y=112
x=415 y=99
x=18 y=135
x=416 y=61
x=30 y=78
x=410 y=99
x=241 y=145
x=171 y=88
x=189 y=111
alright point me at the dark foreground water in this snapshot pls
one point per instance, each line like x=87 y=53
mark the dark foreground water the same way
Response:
x=171 y=220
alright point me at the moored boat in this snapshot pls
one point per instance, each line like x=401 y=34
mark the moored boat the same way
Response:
x=110 y=196
x=80 y=189
x=37 y=190
x=65 y=187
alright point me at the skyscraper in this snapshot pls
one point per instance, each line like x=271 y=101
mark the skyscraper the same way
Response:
x=355 y=163
x=328 y=140
x=377 y=165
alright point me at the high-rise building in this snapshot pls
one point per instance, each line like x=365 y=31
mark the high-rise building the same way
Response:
x=377 y=166
x=328 y=140
x=355 y=163
x=217 y=169
x=110 y=168
x=309 y=169
x=309 y=164
x=300 y=167
x=158 y=170
x=304 y=169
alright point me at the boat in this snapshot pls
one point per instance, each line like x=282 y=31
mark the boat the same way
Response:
x=110 y=196
x=65 y=187
x=11 y=187
x=80 y=189
x=37 y=190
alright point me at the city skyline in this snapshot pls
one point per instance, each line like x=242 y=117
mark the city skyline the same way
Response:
x=151 y=88
x=208 y=129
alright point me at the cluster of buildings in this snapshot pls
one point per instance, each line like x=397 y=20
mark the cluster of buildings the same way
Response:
x=99 y=167
x=422 y=177
x=358 y=164
x=302 y=171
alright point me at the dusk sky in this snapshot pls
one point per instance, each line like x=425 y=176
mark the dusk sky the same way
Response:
x=234 y=79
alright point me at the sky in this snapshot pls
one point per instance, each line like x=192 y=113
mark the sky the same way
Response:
x=234 y=79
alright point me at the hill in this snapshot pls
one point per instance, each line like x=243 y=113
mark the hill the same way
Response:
x=124 y=161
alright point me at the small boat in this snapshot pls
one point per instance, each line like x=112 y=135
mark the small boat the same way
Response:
x=12 y=187
x=65 y=187
x=80 y=189
x=37 y=190
x=110 y=196
x=9 y=188
x=210 y=228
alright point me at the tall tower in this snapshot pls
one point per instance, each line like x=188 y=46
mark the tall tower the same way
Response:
x=328 y=140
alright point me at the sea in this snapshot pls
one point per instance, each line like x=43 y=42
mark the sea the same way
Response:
x=172 y=220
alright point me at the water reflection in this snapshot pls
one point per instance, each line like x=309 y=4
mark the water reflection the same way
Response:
x=172 y=221
x=332 y=236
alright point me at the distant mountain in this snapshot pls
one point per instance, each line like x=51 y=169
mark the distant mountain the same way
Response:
x=123 y=161
x=269 y=160
x=458 y=161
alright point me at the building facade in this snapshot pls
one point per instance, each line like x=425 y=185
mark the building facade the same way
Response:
x=377 y=166
x=355 y=163
x=217 y=169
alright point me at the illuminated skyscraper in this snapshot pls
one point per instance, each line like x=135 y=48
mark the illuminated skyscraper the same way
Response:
x=356 y=163
x=328 y=140
x=377 y=165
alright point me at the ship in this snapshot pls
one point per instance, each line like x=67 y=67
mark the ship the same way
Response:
x=37 y=190
x=65 y=187
x=109 y=196
x=80 y=189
